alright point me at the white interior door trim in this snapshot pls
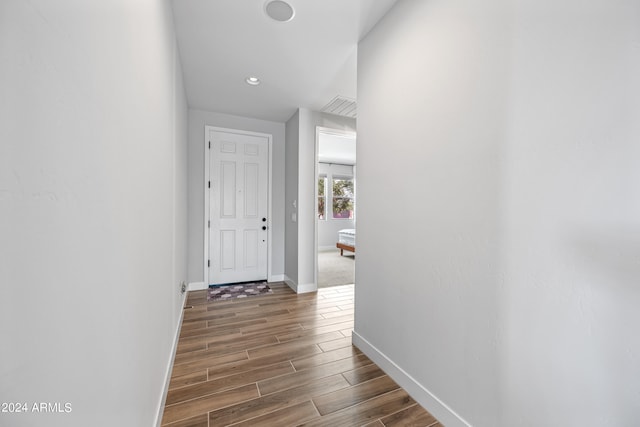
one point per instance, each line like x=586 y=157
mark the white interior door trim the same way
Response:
x=207 y=130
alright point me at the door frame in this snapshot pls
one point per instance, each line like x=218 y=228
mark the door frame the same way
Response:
x=207 y=173
x=325 y=131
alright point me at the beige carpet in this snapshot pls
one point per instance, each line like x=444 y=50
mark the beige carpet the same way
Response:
x=334 y=270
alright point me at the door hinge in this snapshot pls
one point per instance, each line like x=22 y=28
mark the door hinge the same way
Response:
x=208 y=263
x=209 y=224
x=209 y=145
x=209 y=184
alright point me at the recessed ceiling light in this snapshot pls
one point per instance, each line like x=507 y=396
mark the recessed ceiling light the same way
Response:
x=279 y=10
x=252 y=80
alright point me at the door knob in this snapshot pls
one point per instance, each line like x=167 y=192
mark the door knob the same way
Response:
x=264 y=227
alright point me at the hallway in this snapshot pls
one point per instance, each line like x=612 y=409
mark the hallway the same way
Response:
x=280 y=359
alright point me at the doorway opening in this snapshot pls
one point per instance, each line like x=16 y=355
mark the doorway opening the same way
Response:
x=335 y=218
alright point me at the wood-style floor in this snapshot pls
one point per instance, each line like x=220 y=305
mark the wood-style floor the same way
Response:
x=280 y=360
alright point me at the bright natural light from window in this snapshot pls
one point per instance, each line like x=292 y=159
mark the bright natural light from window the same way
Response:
x=322 y=197
x=342 y=198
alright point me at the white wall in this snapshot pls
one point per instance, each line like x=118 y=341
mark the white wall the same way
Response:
x=291 y=199
x=180 y=182
x=301 y=129
x=197 y=122
x=306 y=202
x=329 y=227
x=572 y=229
x=92 y=185
x=517 y=126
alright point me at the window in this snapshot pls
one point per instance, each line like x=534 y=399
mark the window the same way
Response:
x=322 y=197
x=342 y=198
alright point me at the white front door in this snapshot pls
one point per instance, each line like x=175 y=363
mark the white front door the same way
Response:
x=238 y=207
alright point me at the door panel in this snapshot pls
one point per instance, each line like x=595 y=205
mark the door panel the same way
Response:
x=238 y=203
x=228 y=189
x=228 y=250
x=251 y=190
x=251 y=248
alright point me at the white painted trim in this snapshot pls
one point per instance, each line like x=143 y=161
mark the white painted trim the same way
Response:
x=315 y=204
x=207 y=173
x=300 y=288
x=306 y=287
x=207 y=208
x=197 y=286
x=417 y=391
x=276 y=278
x=290 y=283
x=269 y=206
x=167 y=378
x=336 y=132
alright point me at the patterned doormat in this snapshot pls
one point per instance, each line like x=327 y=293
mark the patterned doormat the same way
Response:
x=240 y=290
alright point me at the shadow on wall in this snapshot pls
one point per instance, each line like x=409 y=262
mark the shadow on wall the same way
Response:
x=611 y=257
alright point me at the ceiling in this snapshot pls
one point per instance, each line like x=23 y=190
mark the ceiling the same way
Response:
x=305 y=62
x=337 y=149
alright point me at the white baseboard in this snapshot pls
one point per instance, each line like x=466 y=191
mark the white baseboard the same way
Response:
x=276 y=278
x=197 y=286
x=293 y=285
x=300 y=288
x=327 y=248
x=167 y=378
x=303 y=288
x=419 y=393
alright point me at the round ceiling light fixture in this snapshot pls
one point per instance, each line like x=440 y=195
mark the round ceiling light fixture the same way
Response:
x=279 y=10
x=252 y=80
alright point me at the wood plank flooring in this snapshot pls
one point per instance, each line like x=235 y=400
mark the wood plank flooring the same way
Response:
x=280 y=360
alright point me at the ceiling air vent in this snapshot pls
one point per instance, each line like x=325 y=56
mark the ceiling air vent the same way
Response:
x=341 y=106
